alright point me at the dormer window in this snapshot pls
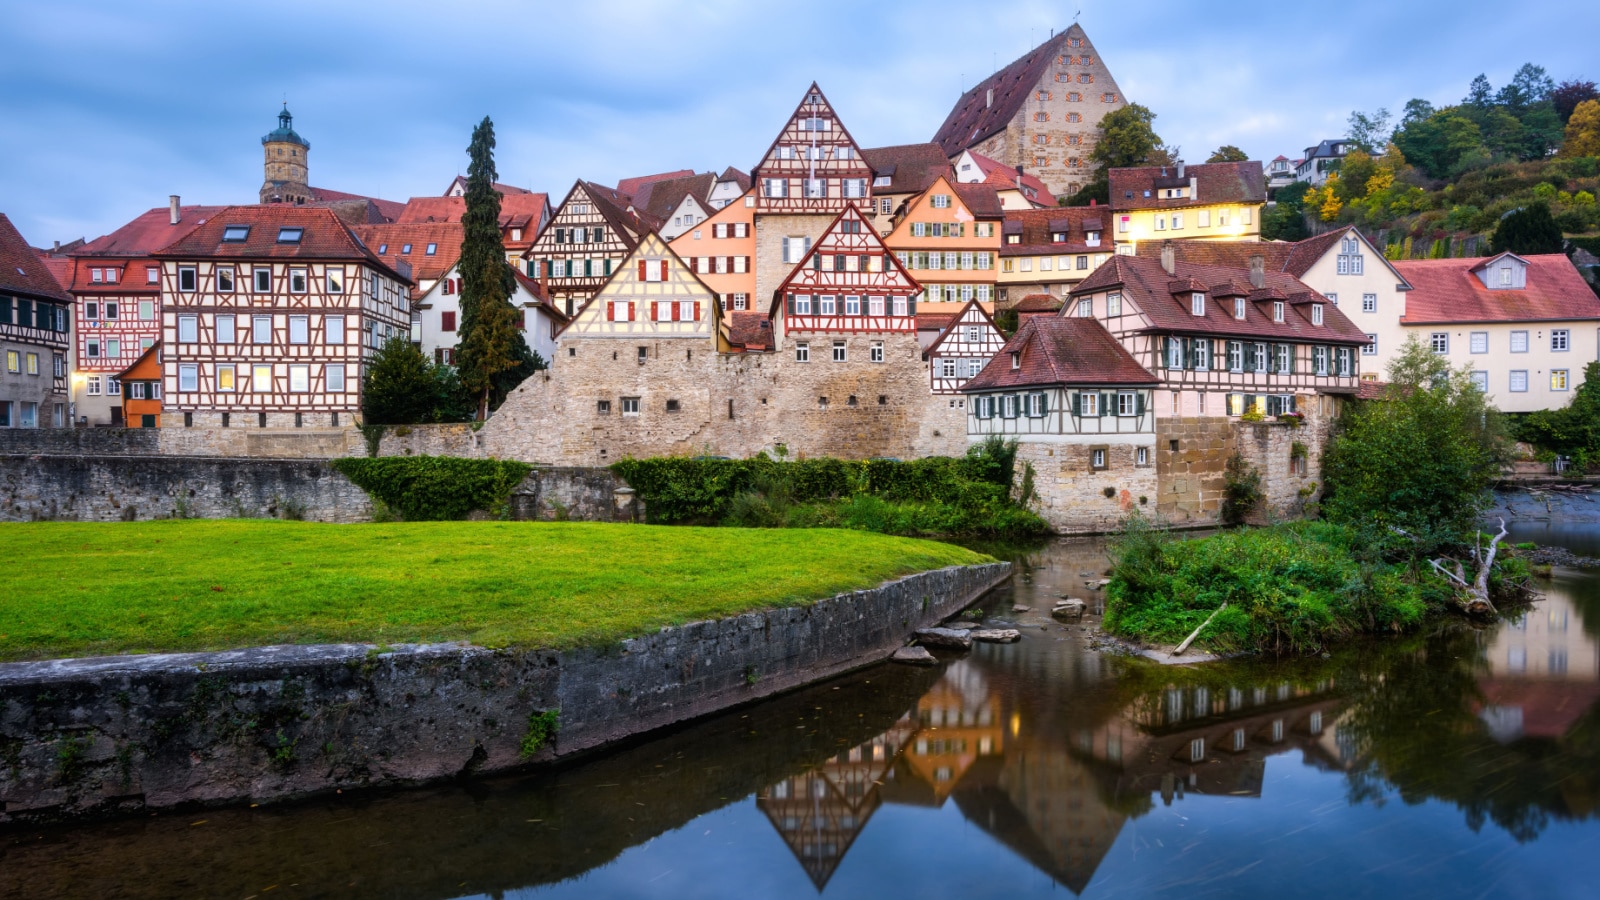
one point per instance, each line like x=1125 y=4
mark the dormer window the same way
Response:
x=235 y=233
x=941 y=201
x=288 y=235
x=516 y=234
x=1093 y=239
x=882 y=180
x=1197 y=303
x=1013 y=238
x=1016 y=359
x=1316 y=313
x=1059 y=237
x=405 y=249
x=1238 y=307
x=1277 y=310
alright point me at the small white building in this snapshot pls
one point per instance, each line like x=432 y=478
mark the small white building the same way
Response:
x=730 y=186
x=437 y=320
x=1325 y=157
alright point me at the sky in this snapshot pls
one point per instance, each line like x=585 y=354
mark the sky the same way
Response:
x=110 y=107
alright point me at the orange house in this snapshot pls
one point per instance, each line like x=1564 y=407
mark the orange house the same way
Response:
x=949 y=238
x=141 y=389
x=721 y=252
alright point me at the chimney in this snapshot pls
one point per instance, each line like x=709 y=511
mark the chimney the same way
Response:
x=1194 y=188
x=1169 y=258
x=990 y=101
x=1180 y=168
x=172 y=209
x=1258 y=271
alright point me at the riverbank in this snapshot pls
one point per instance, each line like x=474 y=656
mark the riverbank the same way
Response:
x=192 y=585
x=116 y=735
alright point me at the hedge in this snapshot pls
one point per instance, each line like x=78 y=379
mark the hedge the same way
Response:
x=435 y=488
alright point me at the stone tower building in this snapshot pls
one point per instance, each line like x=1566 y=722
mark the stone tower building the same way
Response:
x=285 y=161
x=1040 y=113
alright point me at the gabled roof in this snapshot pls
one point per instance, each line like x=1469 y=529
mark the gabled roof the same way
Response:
x=1445 y=291
x=911 y=168
x=1004 y=177
x=148 y=232
x=541 y=301
x=389 y=241
x=614 y=205
x=631 y=186
x=60 y=266
x=750 y=330
x=660 y=198
x=850 y=212
x=982 y=200
x=1038 y=303
x=974 y=118
x=526 y=206
x=21 y=269
x=1294 y=258
x=956 y=320
x=1164 y=300
x=1056 y=350
x=1038 y=227
x=154 y=350
x=856 y=164
x=1229 y=182
x=505 y=190
x=388 y=209
x=325 y=236
x=742 y=179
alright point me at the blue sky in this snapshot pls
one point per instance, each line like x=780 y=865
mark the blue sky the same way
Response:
x=110 y=107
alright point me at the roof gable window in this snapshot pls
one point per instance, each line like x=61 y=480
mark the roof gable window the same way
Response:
x=1197 y=304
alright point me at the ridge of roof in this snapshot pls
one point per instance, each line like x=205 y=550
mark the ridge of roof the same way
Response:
x=148 y=232
x=1445 y=291
x=326 y=236
x=974 y=118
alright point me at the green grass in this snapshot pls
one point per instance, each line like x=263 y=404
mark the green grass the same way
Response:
x=100 y=588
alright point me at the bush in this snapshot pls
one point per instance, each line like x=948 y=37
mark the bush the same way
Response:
x=435 y=488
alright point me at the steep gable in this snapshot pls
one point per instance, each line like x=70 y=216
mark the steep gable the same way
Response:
x=848 y=281
x=652 y=293
x=813 y=165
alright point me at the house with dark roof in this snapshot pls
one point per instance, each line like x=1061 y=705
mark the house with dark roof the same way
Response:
x=731 y=185
x=1525 y=325
x=35 y=321
x=592 y=230
x=1322 y=159
x=1042 y=111
x=115 y=282
x=1048 y=251
x=270 y=315
x=898 y=174
x=1210 y=202
x=679 y=203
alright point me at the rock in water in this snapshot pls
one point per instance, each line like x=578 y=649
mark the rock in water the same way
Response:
x=914 y=656
x=1069 y=609
x=1020 y=608
x=960 y=626
x=948 y=638
x=997 y=635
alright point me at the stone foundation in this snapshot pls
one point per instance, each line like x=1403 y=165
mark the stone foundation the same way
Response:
x=1072 y=494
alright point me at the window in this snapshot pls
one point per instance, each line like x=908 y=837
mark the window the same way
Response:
x=1346 y=359
x=333 y=330
x=1440 y=342
x=1010 y=406
x=225 y=378
x=288 y=235
x=1197 y=304
x=152 y=275
x=1505 y=276
x=147 y=310
x=297 y=281
x=113 y=387
x=1142 y=457
x=1238 y=307
x=33 y=363
x=1480 y=380
x=1316 y=313
x=1113 y=304
x=1282 y=354
x=1370 y=348
x=1128 y=403
x=261 y=330
x=188 y=329
x=1519 y=381
x=93 y=385
x=188 y=377
x=299 y=329
x=261 y=379
x=1319 y=359
x=263 y=276
x=1478 y=342
x=113 y=348
x=1559 y=340
x=30 y=415
x=91 y=348
x=802 y=352
x=1202 y=354
x=1097 y=458
x=1088 y=404
x=947 y=368
x=1174 y=352
x=1369 y=303
x=1235 y=356
x=235 y=233
x=1519 y=342
x=1034 y=406
x=187 y=278
x=838 y=351
x=224 y=279
x=876 y=353
x=630 y=406
x=1558 y=379
x=299 y=379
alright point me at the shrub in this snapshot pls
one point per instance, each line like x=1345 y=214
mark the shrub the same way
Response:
x=1241 y=491
x=433 y=488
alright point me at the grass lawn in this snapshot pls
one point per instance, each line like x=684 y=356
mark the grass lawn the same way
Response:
x=103 y=588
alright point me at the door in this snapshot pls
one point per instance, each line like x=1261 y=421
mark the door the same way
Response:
x=147 y=421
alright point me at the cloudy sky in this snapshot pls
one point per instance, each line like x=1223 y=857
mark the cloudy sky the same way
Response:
x=110 y=107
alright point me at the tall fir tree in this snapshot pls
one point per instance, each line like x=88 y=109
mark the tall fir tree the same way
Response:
x=491 y=362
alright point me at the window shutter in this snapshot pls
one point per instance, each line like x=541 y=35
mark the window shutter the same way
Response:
x=663 y=269
x=643 y=273
x=1249 y=353
x=1294 y=402
x=1188 y=353
x=611 y=311
x=1106 y=399
x=1138 y=404
x=655 y=310
x=630 y=310
x=1044 y=404
x=1166 y=352
x=1077 y=403
x=697 y=310
x=1292 y=359
x=816 y=262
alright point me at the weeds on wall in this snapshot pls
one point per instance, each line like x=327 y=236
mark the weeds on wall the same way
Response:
x=435 y=488
x=1241 y=491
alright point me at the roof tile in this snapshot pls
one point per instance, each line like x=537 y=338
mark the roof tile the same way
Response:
x=1056 y=350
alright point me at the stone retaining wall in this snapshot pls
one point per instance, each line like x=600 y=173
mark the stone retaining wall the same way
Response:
x=120 y=734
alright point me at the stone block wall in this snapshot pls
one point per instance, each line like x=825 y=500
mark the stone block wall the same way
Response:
x=1192 y=455
x=453 y=439
x=74 y=441
x=245 y=436
x=1072 y=494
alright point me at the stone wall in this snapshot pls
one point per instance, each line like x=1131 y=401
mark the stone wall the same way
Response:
x=74 y=441
x=97 y=488
x=122 y=734
x=244 y=436
x=1192 y=455
x=1072 y=494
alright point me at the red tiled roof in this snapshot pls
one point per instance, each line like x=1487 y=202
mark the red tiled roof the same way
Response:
x=1149 y=286
x=524 y=204
x=1233 y=182
x=1372 y=390
x=1038 y=303
x=1445 y=291
x=1058 y=350
x=389 y=209
x=1004 y=177
x=750 y=330
x=742 y=179
x=1037 y=226
x=933 y=321
x=325 y=237
x=982 y=200
x=21 y=269
x=911 y=168
x=60 y=267
x=660 y=198
x=1295 y=258
x=974 y=118
x=631 y=186
x=148 y=232
x=391 y=240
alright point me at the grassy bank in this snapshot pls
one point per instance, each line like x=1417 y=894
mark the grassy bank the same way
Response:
x=1293 y=588
x=93 y=588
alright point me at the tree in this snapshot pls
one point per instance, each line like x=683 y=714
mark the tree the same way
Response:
x=1529 y=86
x=1228 y=153
x=1440 y=143
x=1480 y=95
x=1573 y=429
x=1126 y=140
x=490 y=364
x=1528 y=230
x=1421 y=459
x=1583 y=130
x=1566 y=96
x=1369 y=132
x=399 y=388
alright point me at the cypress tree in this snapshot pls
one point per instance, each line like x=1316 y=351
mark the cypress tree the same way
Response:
x=493 y=357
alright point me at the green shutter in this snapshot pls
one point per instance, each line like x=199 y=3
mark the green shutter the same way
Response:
x=1166 y=351
x=1293 y=358
x=1077 y=403
x=5 y=311
x=1138 y=403
x=1106 y=399
x=1044 y=404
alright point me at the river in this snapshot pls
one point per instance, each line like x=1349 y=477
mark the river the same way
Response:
x=1460 y=763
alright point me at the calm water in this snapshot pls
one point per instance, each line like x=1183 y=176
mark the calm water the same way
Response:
x=1465 y=763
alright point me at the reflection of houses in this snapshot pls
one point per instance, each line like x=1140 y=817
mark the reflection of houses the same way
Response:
x=1545 y=673
x=960 y=722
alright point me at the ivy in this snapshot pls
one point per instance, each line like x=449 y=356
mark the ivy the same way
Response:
x=434 y=488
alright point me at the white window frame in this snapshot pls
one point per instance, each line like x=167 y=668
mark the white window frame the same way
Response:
x=802 y=352
x=188 y=329
x=1478 y=342
x=1519 y=337
x=1560 y=340
x=1439 y=342
x=1518 y=376
x=1369 y=303
x=1127 y=403
x=841 y=352
x=189 y=377
x=1197 y=304
x=299 y=329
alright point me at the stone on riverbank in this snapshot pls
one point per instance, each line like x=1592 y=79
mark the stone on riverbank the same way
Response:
x=1020 y=608
x=946 y=638
x=914 y=656
x=1069 y=609
x=997 y=635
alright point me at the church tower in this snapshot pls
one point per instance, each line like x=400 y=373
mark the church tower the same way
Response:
x=285 y=163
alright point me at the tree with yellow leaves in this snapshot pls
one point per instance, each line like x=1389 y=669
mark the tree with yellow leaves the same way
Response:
x=1331 y=204
x=1583 y=130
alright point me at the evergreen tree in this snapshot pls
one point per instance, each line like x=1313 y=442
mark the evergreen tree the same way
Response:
x=491 y=363
x=399 y=388
x=1228 y=153
x=1527 y=230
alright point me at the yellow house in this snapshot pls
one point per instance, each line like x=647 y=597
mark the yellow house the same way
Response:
x=1048 y=251
x=1210 y=202
x=949 y=239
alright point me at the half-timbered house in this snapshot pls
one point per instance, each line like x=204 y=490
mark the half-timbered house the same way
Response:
x=34 y=328
x=949 y=238
x=722 y=251
x=269 y=317
x=847 y=289
x=812 y=171
x=1223 y=340
x=436 y=318
x=962 y=349
x=591 y=232
x=116 y=289
x=141 y=389
x=898 y=174
x=1048 y=251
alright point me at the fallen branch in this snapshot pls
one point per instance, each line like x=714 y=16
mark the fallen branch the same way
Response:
x=1196 y=633
x=1478 y=604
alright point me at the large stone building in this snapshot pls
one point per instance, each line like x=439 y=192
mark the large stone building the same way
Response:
x=1042 y=112
x=34 y=319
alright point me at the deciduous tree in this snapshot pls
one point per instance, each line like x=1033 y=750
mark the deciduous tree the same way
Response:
x=1369 y=132
x=1126 y=139
x=1583 y=130
x=1568 y=94
x=1228 y=153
